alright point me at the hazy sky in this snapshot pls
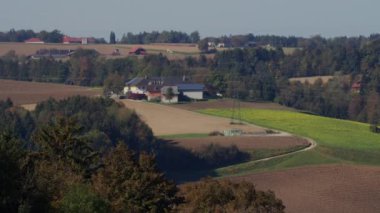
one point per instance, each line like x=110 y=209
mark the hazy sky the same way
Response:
x=210 y=17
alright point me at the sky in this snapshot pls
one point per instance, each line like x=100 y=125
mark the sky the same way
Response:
x=328 y=18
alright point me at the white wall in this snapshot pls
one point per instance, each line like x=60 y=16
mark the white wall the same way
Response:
x=173 y=100
x=198 y=95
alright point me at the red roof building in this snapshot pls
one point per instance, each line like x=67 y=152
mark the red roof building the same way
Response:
x=34 y=41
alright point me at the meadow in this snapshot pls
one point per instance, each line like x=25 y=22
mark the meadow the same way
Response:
x=339 y=141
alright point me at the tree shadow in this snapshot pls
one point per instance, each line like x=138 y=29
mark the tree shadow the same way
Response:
x=184 y=165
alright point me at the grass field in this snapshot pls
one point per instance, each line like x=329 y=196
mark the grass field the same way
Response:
x=339 y=141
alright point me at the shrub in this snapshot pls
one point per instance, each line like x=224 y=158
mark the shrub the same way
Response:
x=374 y=128
x=211 y=195
x=81 y=199
x=215 y=133
x=215 y=155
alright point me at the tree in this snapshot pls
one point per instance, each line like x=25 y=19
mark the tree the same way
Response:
x=134 y=184
x=11 y=179
x=203 y=45
x=169 y=94
x=112 y=38
x=211 y=195
x=194 y=37
x=81 y=199
x=114 y=84
x=61 y=142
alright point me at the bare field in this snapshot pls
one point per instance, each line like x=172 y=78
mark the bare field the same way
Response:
x=243 y=142
x=171 y=50
x=24 y=92
x=331 y=188
x=228 y=103
x=168 y=120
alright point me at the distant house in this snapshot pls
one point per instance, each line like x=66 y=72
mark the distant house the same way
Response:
x=137 y=51
x=81 y=40
x=356 y=87
x=34 y=41
x=155 y=88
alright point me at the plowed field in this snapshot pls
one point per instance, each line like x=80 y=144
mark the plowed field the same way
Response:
x=333 y=188
x=23 y=92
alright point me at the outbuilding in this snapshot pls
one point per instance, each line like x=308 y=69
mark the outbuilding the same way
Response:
x=192 y=91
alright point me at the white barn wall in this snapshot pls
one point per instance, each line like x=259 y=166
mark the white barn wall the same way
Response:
x=198 y=95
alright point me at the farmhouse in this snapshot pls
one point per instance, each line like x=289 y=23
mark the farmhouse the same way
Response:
x=155 y=88
x=82 y=40
x=34 y=41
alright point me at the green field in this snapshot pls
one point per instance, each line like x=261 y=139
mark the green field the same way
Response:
x=339 y=141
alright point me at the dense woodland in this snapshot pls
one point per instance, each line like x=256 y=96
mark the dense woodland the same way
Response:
x=94 y=155
x=160 y=37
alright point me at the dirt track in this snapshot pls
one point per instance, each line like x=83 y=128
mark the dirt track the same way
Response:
x=167 y=120
x=331 y=188
x=24 y=92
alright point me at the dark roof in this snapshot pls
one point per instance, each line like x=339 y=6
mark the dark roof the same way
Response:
x=159 y=81
x=156 y=83
x=134 y=81
x=190 y=87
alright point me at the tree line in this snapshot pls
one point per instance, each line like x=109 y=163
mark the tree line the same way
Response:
x=252 y=74
x=94 y=155
x=54 y=36
x=159 y=37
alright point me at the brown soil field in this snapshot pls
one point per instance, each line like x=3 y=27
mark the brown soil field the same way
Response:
x=228 y=103
x=173 y=51
x=168 y=120
x=24 y=92
x=329 y=188
x=243 y=142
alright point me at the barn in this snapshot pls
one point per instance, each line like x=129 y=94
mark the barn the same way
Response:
x=192 y=91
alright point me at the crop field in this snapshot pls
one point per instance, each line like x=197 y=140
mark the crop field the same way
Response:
x=24 y=92
x=338 y=140
x=328 y=188
x=167 y=120
x=341 y=174
x=173 y=51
